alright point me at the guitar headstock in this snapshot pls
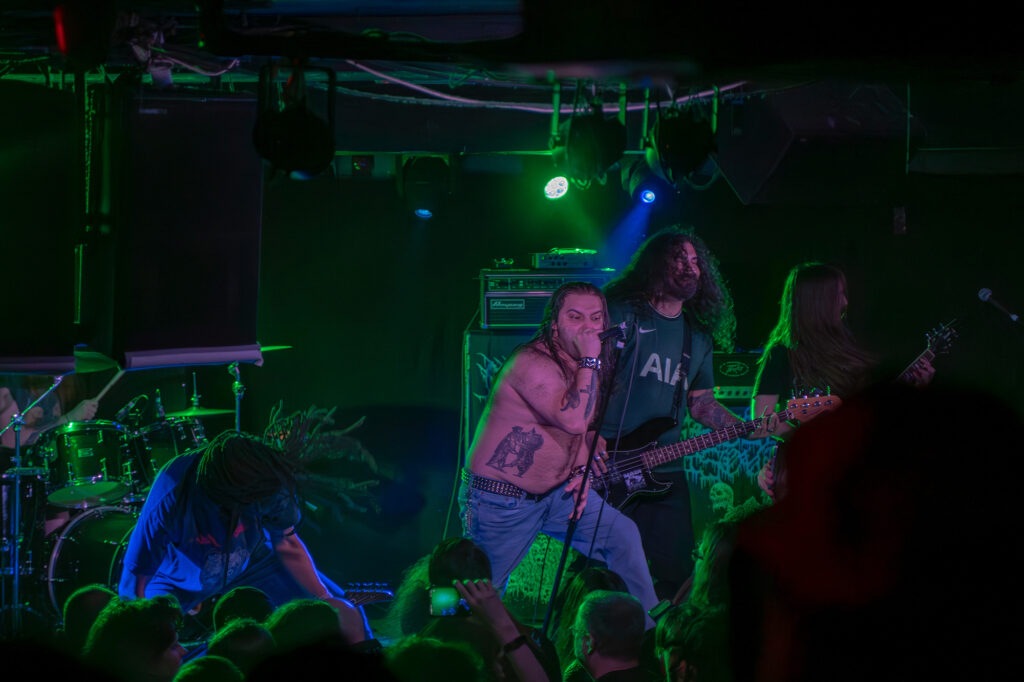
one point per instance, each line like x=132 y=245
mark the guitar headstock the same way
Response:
x=809 y=406
x=941 y=339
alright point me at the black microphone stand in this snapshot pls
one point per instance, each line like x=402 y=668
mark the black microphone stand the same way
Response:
x=602 y=406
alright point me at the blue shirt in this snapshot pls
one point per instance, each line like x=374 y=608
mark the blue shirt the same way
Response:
x=182 y=538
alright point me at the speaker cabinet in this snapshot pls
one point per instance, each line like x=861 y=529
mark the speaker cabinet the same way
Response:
x=186 y=192
x=827 y=143
x=485 y=351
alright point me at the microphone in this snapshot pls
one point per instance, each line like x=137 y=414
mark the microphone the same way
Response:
x=617 y=332
x=986 y=296
x=122 y=414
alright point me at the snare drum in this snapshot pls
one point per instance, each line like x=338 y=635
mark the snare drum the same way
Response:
x=159 y=443
x=86 y=463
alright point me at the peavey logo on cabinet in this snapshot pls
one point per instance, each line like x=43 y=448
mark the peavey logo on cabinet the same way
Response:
x=734 y=376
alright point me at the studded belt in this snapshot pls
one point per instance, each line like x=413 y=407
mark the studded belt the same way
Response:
x=489 y=485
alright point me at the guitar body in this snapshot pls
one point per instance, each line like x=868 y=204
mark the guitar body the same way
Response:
x=624 y=479
x=622 y=483
x=635 y=456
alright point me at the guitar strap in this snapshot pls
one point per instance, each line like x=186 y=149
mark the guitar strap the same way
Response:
x=684 y=366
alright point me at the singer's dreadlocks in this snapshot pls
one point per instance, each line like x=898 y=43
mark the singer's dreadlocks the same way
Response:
x=327 y=460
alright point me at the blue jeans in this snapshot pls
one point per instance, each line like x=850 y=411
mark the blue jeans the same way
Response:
x=506 y=527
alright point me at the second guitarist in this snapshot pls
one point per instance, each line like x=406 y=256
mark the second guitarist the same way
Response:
x=812 y=349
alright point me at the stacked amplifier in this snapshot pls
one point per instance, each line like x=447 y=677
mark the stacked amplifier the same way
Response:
x=515 y=298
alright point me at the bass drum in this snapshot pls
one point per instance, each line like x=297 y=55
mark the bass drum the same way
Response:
x=89 y=550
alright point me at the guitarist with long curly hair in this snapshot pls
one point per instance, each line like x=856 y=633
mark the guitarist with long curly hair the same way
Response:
x=677 y=310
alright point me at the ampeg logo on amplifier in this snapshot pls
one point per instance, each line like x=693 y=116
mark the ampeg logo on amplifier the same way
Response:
x=517 y=298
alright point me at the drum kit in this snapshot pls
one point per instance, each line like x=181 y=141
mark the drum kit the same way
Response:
x=97 y=474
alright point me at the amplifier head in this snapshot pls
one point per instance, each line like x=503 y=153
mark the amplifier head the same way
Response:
x=516 y=298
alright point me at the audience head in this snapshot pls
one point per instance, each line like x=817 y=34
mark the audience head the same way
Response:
x=608 y=632
x=457 y=559
x=244 y=641
x=584 y=582
x=418 y=658
x=209 y=668
x=710 y=584
x=137 y=640
x=451 y=559
x=81 y=609
x=303 y=621
x=241 y=602
x=410 y=610
x=471 y=632
x=692 y=644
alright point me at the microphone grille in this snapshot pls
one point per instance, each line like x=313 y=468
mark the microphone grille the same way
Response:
x=984 y=294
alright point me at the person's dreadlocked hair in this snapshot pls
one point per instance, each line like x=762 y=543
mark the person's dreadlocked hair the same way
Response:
x=331 y=465
x=239 y=469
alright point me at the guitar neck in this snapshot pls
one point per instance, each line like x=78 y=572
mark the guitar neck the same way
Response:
x=690 y=446
x=926 y=355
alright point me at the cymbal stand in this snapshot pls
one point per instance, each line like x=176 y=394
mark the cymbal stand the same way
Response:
x=195 y=392
x=239 y=388
x=17 y=421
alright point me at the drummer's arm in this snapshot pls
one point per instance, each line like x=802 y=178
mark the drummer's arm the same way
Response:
x=82 y=412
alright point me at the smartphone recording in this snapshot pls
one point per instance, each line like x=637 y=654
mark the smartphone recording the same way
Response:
x=445 y=601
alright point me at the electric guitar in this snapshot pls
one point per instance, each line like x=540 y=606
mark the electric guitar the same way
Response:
x=939 y=341
x=633 y=456
x=368 y=593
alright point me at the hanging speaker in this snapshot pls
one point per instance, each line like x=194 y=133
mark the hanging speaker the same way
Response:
x=186 y=184
x=827 y=143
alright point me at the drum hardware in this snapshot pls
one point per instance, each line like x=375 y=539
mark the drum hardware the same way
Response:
x=91 y=361
x=193 y=412
x=159 y=443
x=13 y=544
x=239 y=390
x=196 y=411
x=83 y=456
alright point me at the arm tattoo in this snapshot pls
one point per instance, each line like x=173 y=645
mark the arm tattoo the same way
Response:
x=572 y=397
x=572 y=400
x=709 y=412
x=591 y=392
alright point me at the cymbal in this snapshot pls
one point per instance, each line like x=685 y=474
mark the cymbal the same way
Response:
x=92 y=361
x=199 y=412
